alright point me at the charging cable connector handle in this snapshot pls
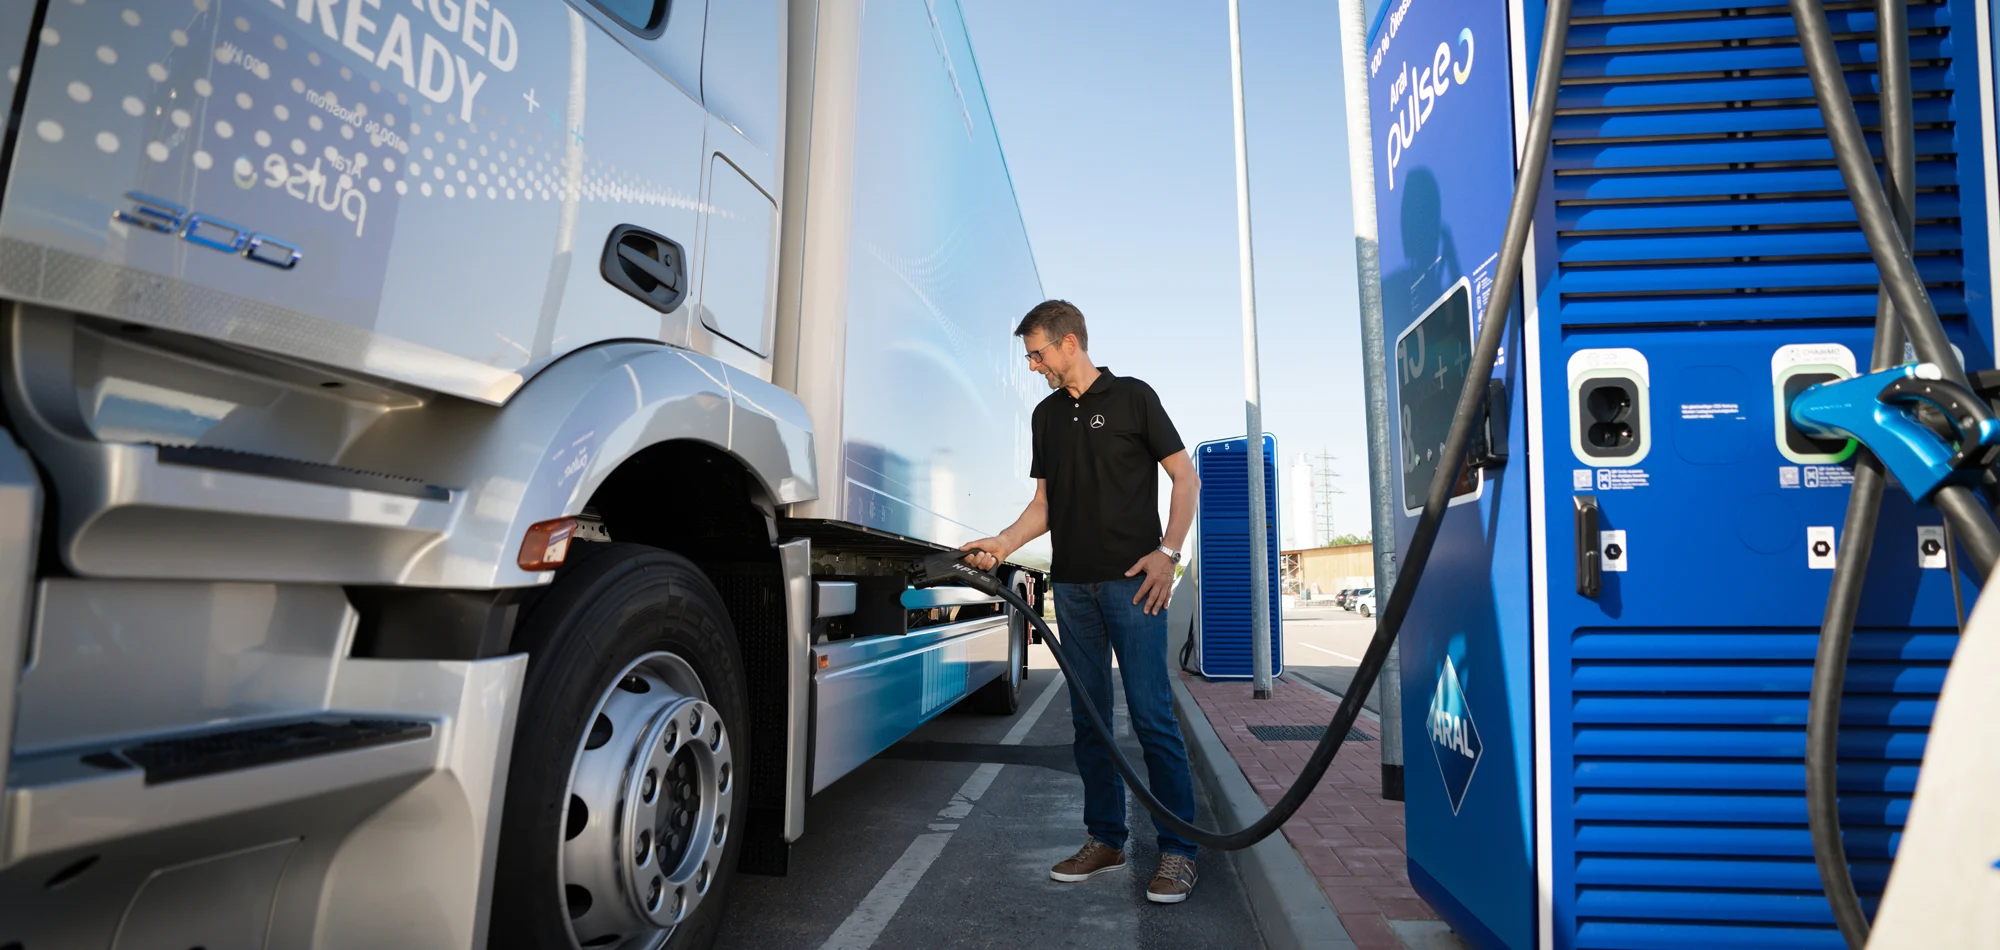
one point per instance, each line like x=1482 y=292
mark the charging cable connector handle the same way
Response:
x=1880 y=410
x=949 y=567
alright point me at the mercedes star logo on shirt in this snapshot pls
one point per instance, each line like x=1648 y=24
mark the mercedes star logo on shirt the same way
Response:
x=1097 y=421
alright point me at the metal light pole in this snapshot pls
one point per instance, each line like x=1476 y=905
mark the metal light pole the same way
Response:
x=1260 y=541
x=1374 y=368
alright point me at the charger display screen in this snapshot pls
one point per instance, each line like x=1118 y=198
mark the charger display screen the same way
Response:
x=1432 y=357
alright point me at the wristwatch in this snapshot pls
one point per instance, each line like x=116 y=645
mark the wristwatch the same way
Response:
x=1173 y=556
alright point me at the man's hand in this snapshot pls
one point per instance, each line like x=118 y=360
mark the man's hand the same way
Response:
x=986 y=553
x=1159 y=585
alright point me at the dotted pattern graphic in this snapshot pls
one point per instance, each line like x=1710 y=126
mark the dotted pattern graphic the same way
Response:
x=371 y=148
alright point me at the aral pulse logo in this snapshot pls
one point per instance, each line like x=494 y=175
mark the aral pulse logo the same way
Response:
x=1454 y=739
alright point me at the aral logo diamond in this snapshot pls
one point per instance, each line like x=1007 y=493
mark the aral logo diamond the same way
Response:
x=1454 y=739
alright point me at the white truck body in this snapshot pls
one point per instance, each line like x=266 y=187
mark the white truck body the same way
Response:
x=314 y=310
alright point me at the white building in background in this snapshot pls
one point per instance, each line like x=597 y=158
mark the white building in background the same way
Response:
x=1298 y=506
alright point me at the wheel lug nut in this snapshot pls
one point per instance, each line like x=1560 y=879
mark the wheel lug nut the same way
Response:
x=650 y=787
x=645 y=847
x=653 y=897
x=694 y=722
x=673 y=737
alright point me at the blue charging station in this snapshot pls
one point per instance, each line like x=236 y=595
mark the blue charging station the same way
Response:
x=1606 y=666
x=1222 y=628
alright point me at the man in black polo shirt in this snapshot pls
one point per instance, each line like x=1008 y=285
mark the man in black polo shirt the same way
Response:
x=1100 y=441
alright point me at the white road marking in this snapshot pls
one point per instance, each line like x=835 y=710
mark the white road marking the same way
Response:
x=1325 y=650
x=1020 y=730
x=961 y=801
x=870 y=917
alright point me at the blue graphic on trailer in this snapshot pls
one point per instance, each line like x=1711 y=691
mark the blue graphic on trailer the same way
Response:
x=1454 y=737
x=1222 y=624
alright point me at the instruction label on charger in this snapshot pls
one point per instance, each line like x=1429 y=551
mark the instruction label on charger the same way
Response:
x=1930 y=547
x=1815 y=476
x=1820 y=550
x=1711 y=410
x=1622 y=479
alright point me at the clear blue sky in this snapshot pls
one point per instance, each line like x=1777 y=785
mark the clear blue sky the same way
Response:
x=1117 y=125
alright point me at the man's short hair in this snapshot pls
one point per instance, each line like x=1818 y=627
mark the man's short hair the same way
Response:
x=1056 y=319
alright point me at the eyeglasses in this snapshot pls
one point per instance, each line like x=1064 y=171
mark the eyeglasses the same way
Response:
x=1035 y=355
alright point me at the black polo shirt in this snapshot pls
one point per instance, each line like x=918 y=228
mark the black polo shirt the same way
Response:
x=1100 y=454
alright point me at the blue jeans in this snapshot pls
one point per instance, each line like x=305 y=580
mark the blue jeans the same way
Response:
x=1094 y=621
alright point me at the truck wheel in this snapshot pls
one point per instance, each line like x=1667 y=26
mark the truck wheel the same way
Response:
x=622 y=817
x=1002 y=696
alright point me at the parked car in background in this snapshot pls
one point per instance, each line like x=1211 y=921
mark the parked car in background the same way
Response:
x=1354 y=597
x=1340 y=599
x=1364 y=601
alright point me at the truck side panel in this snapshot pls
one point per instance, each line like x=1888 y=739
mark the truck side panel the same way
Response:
x=15 y=22
x=939 y=273
x=447 y=177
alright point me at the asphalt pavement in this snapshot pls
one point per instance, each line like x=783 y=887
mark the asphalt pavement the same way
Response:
x=945 y=840
x=1323 y=645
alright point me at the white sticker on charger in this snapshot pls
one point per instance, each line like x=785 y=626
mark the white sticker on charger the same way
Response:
x=1820 y=551
x=1611 y=545
x=1930 y=547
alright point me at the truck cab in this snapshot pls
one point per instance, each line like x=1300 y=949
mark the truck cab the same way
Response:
x=461 y=459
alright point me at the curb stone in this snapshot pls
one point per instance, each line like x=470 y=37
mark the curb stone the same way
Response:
x=1290 y=908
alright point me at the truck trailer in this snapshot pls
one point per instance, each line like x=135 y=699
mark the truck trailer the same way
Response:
x=462 y=458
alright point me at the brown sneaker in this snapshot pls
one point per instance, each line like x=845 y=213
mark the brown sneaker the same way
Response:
x=1094 y=858
x=1174 y=881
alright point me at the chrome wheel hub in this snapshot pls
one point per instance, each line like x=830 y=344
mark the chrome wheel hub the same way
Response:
x=648 y=808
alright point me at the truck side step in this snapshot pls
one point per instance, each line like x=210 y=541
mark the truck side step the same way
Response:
x=124 y=791
x=298 y=470
x=171 y=760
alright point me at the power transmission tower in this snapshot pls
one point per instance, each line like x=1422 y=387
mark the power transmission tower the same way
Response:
x=1324 y=489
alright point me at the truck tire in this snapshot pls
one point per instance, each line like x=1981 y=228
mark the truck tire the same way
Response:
x=1002 y=696
x=621 y=821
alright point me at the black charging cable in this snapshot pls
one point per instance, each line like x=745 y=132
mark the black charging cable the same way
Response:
x=1904 y=309
x=950 y=566
x=1864 y=504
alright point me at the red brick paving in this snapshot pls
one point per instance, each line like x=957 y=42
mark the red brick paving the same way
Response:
x=1348 y=837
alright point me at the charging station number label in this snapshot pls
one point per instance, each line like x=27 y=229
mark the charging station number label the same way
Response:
x=1611 y=545
x=1930 y=547
x=1820 y=550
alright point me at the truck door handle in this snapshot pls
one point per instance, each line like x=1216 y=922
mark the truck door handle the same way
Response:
x=654 y=269
x=646 y=265
x=1589 y=569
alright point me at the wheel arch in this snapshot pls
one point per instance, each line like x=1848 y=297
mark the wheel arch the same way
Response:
x=553 y=449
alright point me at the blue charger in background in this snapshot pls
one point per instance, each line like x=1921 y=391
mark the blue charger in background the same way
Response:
x=1222 y=626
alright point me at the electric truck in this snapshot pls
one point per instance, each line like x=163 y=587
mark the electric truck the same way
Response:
x=462 y=458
